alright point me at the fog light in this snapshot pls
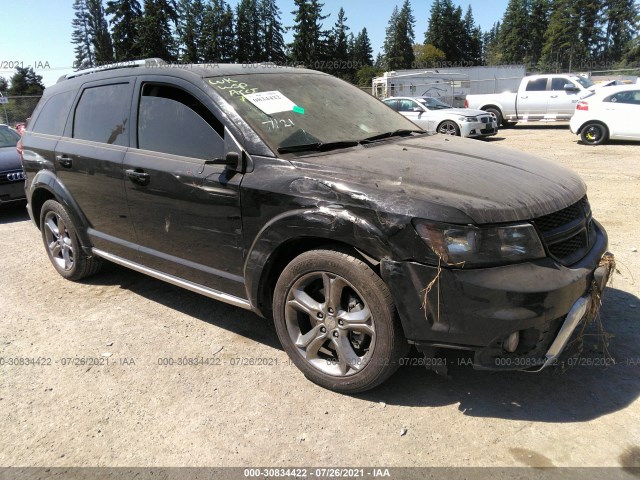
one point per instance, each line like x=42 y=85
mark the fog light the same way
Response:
x=511 y=343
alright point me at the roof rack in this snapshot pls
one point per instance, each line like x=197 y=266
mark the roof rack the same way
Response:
x=147 y=62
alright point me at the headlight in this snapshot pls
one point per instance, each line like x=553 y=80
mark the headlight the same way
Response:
x=468 y=119
x=488 y=246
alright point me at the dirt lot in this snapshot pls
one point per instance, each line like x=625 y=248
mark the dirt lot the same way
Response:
x=135 y=412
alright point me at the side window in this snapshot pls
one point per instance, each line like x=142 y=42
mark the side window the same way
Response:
x=171 y=120
x=407 y=105
x=102 y=114
x=558 y=83
x=537 y=85
x=8 y=138
x=393 y=104
x=54 y=113
x=632 y=97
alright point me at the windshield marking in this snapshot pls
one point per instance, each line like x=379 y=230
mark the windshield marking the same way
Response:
x=235 y=88
x=273 y=102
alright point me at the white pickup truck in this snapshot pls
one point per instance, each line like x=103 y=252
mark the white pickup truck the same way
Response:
x=539 y=97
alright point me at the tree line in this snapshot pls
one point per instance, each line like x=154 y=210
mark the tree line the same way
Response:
x=544 y=35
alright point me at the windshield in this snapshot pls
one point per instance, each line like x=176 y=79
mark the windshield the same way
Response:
x=299 y=109
x=433 y=103
x=585 y=82
x=8 y=138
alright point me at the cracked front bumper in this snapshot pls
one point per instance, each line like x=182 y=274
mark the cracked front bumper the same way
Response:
x=477 y=309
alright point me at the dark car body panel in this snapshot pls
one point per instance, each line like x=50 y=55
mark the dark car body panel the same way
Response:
x=11 y=174
x=222 y=229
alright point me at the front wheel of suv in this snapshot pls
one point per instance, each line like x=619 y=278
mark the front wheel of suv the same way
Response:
x=336 y=320
x=62 y=244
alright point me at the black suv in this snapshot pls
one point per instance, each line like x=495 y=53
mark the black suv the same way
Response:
x=296 y=195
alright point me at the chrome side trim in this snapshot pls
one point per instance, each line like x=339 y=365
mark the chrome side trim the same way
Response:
x=194 y=287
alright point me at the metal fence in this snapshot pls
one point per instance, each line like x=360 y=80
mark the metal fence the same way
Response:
x=14 y=110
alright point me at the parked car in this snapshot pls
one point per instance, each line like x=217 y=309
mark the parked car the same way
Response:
x=11 y=174
x=539 y=97
x=434 y=115
x=296 y=195
x=611 y=113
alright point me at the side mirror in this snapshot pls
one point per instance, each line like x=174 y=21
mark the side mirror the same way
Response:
x=417 y=109
x=231 y=159
x=570 y=87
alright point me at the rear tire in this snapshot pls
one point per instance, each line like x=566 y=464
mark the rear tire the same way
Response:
x=348 y=340
x=594 y=133
x=62 y=244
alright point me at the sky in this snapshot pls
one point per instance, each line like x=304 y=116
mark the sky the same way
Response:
x=42 y=39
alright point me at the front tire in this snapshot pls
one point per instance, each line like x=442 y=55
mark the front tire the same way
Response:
x=449 y=127
x=594 y=133
x=62 y=244
x=336 y=320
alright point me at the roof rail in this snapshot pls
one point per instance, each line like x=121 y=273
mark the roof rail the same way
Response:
x=147 y=62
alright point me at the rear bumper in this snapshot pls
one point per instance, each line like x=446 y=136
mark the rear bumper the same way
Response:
x=478 y=309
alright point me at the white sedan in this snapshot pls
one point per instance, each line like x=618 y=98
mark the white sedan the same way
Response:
x=433 y=115
x=610 y=113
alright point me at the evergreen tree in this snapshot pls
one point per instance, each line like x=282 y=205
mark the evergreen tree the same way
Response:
x=4 y=86
x=189 y=29
x=562 y=49
x=338 y=49
x=362 y=53
x=271 y=32
x=309 y=46
x=446 y=30
x=81 y=37
x=472 y=40
x=218 y=35
x=398 y=44
x=248 y=41
x=25 y=82
x=428 y=56
x=99 y=33
x=155 y=35
x=620 y=23
x=491 y=54
x=538 y=24
x=514 y=32
x=125 y=15
x=590 y=36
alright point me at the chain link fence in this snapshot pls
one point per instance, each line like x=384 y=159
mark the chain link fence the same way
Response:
x=14 y=110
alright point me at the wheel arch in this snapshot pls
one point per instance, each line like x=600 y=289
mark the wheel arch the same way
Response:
x=587 y=122
x=288 y=236
x=46 y=186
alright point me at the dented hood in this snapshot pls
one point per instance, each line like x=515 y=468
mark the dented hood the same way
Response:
x=440 y=177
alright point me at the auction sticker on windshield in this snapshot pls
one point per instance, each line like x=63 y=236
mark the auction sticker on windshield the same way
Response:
x=273 y=102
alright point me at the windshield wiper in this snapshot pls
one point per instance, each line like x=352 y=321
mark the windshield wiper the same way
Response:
x=395 y=133
x=317 y=146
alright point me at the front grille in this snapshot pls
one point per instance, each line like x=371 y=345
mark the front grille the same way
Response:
x=11 y=176
x=568 y=233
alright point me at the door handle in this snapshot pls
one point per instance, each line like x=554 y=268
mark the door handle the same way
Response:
x=64 y=161
x=554 y=96
x=138 y=176
x=524 y=96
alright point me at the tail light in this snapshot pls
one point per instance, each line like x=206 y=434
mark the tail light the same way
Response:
x=582 y=106
x=19 y=148
x=466 y=103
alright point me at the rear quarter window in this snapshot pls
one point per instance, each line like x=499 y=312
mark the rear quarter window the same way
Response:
x=53 y=115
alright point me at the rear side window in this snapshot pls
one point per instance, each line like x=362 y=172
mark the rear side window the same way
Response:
x=407 y=106
x=173 y=121
x=102 y=114
x=537 y=85
x=54 y=113
x=632 y=97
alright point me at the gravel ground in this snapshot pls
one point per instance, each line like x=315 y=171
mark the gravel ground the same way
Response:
x=132 y=411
